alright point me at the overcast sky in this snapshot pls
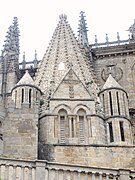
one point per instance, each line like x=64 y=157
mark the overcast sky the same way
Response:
x=39 y=18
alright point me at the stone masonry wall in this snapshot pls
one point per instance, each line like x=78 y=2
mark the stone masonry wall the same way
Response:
x=98 y=156
x=20 y=134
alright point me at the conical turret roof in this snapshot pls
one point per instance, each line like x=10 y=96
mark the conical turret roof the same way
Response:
x=111 y=83
x=26 y=79
x=63 y=53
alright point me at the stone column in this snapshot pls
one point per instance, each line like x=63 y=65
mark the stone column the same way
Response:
x=86 y=136
x=70 y=126
x=55 y=126
x=124 y=174
x=61 y=172
x=75 y=122
x=89 y=126
x=93 y=176
x=40 y=170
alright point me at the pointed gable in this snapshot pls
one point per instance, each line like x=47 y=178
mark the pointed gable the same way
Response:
x=111 y=83
x=62 y=53
x=71 y=88
x=26 y=79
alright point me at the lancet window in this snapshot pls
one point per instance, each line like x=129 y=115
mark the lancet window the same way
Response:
x=82 y=116
x=122 y=131
x=62 y=118
x=110 y=100
x=22 y=95
x=111 y=132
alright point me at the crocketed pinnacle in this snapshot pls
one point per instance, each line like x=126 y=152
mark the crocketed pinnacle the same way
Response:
x=64 y=53
x=82 y=36
x=12 y=38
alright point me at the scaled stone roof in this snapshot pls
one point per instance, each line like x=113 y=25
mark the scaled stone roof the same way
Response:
x=26 y=79
x=64 y=49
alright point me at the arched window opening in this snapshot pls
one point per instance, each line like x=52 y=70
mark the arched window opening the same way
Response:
x=30 y=92
x=82 y=114
x=62 y=114
x=72 y=127
x=22 y=95
x=110 y=100
x=111 y=132
x=122 y=131
x=118 y=104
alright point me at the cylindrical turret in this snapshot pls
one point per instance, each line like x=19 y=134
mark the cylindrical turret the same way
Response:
x=115 y=105
x=25 y=92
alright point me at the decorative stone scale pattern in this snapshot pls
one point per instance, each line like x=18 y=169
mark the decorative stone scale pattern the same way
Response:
x=62 y=53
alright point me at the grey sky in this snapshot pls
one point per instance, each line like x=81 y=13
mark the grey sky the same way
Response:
x=38 y=19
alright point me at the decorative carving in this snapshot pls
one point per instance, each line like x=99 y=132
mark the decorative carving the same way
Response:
x=112 y=69
x=71 y=87
x=71 y=91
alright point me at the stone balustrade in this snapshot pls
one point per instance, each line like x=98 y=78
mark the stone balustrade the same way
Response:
x=43 y=170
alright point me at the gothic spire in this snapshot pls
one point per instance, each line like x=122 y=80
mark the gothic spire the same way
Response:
x=64 y=51
x=12 y=38
x=82 y=36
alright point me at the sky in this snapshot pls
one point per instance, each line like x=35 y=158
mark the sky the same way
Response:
x=38 y=20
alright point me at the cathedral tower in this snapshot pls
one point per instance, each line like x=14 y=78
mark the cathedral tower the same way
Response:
x=70 y=113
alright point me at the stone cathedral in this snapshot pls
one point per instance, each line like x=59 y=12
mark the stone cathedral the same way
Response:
x=71 y=115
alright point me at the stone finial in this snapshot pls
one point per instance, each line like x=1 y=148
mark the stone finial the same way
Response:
x=107 y=39
x=35 y=55
x=24 y=57
x=24 y=61
x=96 y=40
x=35 y=60
x=118 y=38
x=63 y=17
